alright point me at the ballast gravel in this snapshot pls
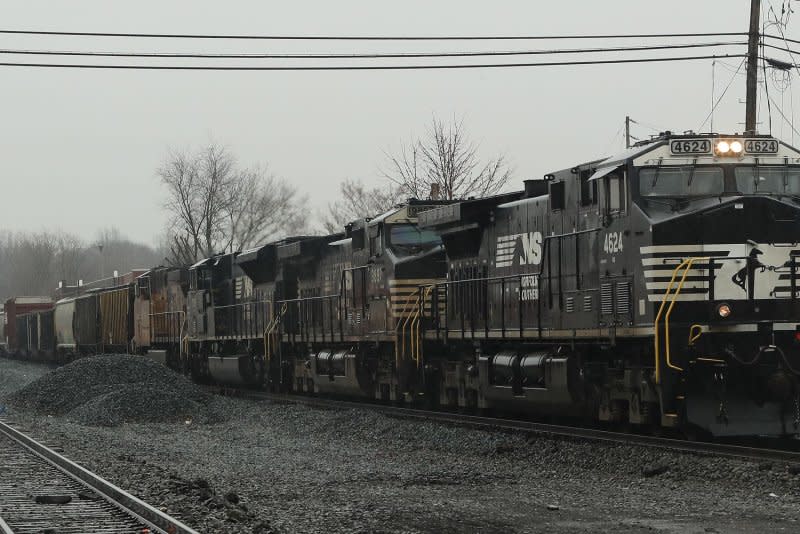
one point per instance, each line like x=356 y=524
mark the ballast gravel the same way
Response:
x=282 y=468
x=112 y=389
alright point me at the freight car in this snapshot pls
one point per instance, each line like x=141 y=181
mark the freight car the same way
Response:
x=99 y=320
x=21 y=326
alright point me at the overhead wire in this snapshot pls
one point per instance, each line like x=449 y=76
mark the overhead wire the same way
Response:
x=781 y=38
x=713 y=89
x=363 y=67
x=790 y=123
x=614 y=139
x=714 y=107
x=390 y=55
x=781 y=24
x=764 y=70
x=648 y=126
x=368 y=37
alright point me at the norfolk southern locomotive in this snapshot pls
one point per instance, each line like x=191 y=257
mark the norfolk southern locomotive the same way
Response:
x=657 y=287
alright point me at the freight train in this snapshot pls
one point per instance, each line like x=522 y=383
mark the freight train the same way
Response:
x=657 y=287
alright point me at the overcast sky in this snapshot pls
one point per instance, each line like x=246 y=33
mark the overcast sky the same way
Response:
x=79 y=148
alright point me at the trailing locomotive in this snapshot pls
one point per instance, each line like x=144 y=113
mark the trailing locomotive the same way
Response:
x=657 y=287
x=317 y=313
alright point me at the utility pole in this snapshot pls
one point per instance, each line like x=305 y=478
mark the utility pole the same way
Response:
x=752 y=68
x=627 y=131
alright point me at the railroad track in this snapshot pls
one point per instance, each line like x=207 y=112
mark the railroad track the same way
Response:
x=43 y=492
x=762 y=453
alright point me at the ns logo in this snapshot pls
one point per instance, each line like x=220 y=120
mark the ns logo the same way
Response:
x=527 y=247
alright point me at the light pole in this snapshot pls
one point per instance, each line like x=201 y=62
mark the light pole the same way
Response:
x=102 y=261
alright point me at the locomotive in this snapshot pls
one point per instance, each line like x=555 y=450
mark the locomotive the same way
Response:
x=657 y=288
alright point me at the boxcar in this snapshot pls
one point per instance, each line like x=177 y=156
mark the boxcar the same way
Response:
x=116 y=319
x=15 y=307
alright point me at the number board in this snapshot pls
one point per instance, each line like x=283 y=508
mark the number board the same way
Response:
x=690 y=146
x=761 y=146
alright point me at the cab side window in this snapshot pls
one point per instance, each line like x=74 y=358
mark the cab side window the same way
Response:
x=588 y=189
x=557 y=196
x=615 y=192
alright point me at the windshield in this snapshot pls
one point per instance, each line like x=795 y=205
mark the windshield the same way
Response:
x=778 y=180
x=688 y=181
x=408 y=235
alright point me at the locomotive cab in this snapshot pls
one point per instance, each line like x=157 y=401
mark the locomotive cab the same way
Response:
x=719 y=220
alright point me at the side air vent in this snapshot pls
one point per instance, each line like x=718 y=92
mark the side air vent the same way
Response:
x=623 y=298
x=607 y=298
x=587 y=303
x=570 y=305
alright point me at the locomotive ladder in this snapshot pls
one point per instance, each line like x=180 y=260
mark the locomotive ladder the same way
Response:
x=409 y=320
x=670 y=296
x=270 y=331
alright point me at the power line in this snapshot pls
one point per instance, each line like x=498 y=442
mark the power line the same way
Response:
x=363 y=67
x=790 y=123
x=372 y=37
x=781 y=48
x=780 y=38
x=369 y=55
x=714 y=107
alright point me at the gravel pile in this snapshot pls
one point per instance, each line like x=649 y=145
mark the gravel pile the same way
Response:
x=15 y=374
x=113 y=389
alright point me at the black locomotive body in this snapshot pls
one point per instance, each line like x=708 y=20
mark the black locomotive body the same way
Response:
x=319 y=314
x=656 y=287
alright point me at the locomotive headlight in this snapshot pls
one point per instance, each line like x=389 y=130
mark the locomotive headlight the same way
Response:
x=723 y=147
x=723 y=310
x=736 y=147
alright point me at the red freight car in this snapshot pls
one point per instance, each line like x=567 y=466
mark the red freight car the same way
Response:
x=15 y=307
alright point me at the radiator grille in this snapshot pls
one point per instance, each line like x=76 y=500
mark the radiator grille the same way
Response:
x=623 y=298
x=607 y=298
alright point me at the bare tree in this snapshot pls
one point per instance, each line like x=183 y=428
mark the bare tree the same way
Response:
x=359 y=201
x=445 y=164
x=70 y=258
x=181 y=176
x=215 y=206
x=262 y=207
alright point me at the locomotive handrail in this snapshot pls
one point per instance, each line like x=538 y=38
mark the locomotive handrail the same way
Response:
x=539 y=274
x=231 y=318
x=180 y=313
x=401 y=326
x=416 y=354
x=268 y=333
x=686 y=265
x=303 y=300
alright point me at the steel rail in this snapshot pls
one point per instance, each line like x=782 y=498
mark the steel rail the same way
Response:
x=139 y=510
x=495 y=423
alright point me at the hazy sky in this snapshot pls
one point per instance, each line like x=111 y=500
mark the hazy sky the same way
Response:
x=79 y=148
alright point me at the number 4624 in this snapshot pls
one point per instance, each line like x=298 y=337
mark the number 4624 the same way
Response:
x=612 y=243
